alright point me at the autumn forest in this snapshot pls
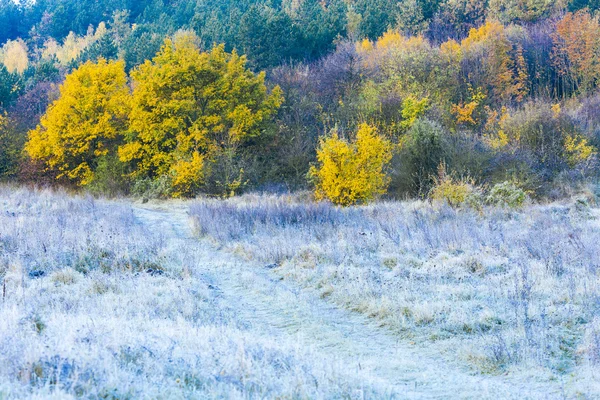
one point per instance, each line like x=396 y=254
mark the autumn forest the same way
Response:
x=352 y=99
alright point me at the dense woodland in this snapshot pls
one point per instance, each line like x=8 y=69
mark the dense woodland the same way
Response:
x=357 y=98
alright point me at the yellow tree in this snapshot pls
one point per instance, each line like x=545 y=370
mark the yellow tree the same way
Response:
x=85 y=123
x=190 y=108
x=521 y=84
x=352 y=172
x=73 y=45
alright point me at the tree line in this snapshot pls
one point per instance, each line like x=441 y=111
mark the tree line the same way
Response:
x=506 y=93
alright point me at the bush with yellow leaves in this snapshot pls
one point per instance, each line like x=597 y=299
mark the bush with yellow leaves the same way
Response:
x=190 y=109
x=455 y=192
x=352 y=172
x=547 y=133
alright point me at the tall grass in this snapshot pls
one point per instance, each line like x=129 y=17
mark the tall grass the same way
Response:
x=41 y=232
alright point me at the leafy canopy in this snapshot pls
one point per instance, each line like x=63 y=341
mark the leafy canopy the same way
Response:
x=84 y=124
x=10 y=148
x=190 y=106
x=352 y=172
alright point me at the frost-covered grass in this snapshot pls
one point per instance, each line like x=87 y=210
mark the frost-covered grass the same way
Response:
x=502 y=292
x=42 y=232
x=97 y=300
x=95 y=304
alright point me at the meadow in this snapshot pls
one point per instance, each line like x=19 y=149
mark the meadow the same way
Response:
x=266 y=296
x=498 y=291
x=96 y=305
x=299 y=199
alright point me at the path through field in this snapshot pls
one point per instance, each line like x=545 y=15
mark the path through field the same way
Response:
x=272 y=306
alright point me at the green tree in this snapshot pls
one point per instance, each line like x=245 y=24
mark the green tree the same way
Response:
x=10 y=87
x=104 y=48
x=11 y=146
x=11 y=16
x=319 y=26
x=377 y=16
x=141 y=45
x=421 y=151
x=268 y=37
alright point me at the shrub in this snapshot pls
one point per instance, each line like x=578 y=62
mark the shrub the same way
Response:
x=455 y=192
x=110 y=177
x=11 y=145
x=591 y=345
x=189 y=108
x=545 y=137
x=352 y=172
x=506 y=194
x=420 y=152
x=412 y=109
x=65 y=276
x=149 y=188
x=84 y=124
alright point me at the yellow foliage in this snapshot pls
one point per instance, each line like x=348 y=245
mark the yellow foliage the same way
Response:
x=390 y=39
x=543 y=129
x=365 y=46
x=188 y=175
x=507 y=73
x=451 y=50
x=452 y=191
x=499 y=141
x=491 y=30
x=577 y=149
x=520 y=88
x=556 y=110
x=73 y=45
x=412 y=43
x=496 y=137
x=84 y=123
x=193 y=106
x=389 y=49
x=412 y=109
x=352 y=172
x=576 y=48
x=464 y=112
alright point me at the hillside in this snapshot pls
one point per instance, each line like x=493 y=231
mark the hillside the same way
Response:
x=298 y=199
x=491 y=91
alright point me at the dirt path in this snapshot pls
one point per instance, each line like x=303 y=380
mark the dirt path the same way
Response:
x=271 y=306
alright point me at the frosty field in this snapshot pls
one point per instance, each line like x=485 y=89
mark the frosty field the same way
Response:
x=272 y=297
